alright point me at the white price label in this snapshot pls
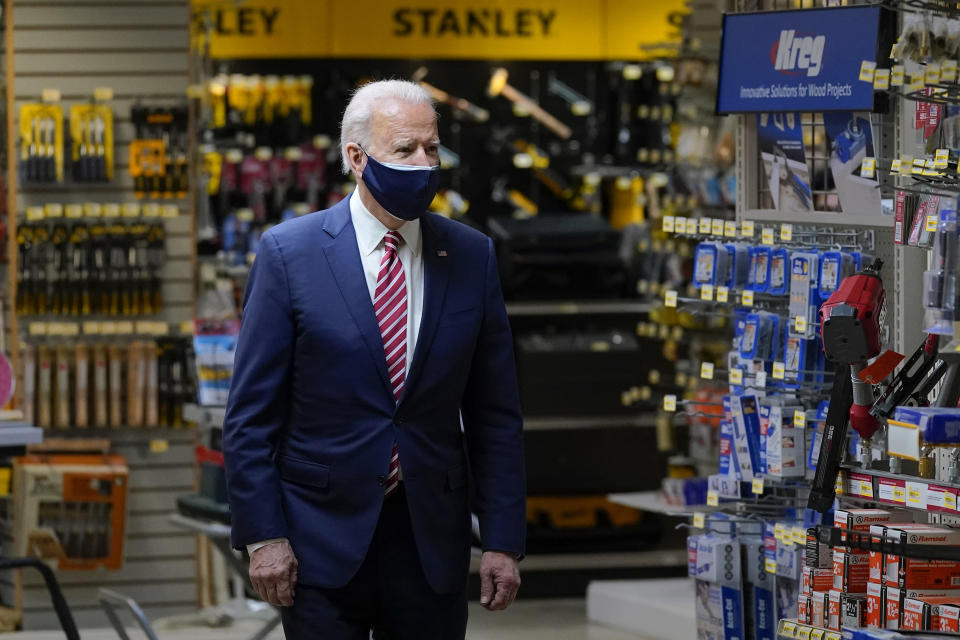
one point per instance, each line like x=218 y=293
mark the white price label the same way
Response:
x=699 y=520
x=705 y=226
x=766 y=236
x=932 y=221
x=723 y=294
x=932 y=75
x=746 y=298
x=706 y=293
x=941 y=159
x=760 y=380
x=736 y=377
x=867 y=70
x=668 y=224
x=730 y=229
x=916 y=81
x=757 y=486
x=746 y=229
x=948 y=71
x=897 y=75
x=800 y=324
x=868 y=168
x=706 y=370
x=799 y=418
x=716 y=227
x=713 y=499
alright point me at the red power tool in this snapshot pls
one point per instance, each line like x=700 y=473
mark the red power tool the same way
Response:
x=850 y=322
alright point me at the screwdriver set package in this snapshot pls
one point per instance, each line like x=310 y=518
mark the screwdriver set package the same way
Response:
x=158 y=154
x=107 y=383
x=91 y=142
x=41 y=142
x=277 y=110
x=71 y=509
x=104 y=267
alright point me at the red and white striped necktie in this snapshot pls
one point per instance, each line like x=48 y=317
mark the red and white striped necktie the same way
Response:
x=390 y=305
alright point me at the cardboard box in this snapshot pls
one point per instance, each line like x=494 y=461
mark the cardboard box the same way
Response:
x=832 y=620
x=946 y=617
x=760 y=606
x=819 y=608
x=915 y=615
x=863 y=519
x=851 y=571
x=878 y=560
x=803 y=609
x=876 y=610
x=913 y=573
x=936 y=609
x=853 y=611
x=817 y=554
x=816 y=580
x=896 y=599
x=894 y=602
x=785 y=446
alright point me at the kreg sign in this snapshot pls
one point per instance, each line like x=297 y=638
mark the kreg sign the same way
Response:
x=803 y=60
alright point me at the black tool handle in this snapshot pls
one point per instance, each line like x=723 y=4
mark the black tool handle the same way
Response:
x=833 y=442
x=56 y=595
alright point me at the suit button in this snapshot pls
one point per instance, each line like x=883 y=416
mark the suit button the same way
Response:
x=381 y=480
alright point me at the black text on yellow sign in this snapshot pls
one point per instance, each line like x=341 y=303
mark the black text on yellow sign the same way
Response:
x=443 y=29
x=427 y=22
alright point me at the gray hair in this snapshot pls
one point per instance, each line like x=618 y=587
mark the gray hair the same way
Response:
x=355 y=126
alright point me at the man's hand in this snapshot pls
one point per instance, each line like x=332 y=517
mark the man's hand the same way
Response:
x=499 y=580
x=273 y=571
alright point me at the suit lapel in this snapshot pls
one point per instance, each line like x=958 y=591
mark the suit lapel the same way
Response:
x=343 y=257
x=436 y=272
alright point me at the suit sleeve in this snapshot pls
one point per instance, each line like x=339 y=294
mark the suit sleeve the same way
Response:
x=493 y=426
x=256 y=408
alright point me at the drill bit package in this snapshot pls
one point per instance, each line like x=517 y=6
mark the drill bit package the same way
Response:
x=91 y=142
x=41 y=142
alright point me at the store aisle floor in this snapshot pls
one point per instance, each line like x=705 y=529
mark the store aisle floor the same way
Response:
x=530 y=620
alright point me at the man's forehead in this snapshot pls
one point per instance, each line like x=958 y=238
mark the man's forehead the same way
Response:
x=395 y=112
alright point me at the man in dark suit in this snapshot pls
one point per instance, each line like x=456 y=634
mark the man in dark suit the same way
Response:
x=374 y=381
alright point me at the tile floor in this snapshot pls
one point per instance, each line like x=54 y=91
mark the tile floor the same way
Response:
x=526 y=620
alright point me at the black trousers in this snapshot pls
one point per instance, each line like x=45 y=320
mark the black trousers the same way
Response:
x=389 y=595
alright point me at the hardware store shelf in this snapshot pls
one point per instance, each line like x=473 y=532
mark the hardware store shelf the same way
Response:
x=653 y=502
x=793 y=630
x=658 y=558
x=17 y=434
x=898 y=490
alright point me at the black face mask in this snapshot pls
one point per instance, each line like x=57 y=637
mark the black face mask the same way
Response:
x=404 y=190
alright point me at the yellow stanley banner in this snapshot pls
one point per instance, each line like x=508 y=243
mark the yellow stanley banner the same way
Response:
x=501 y=29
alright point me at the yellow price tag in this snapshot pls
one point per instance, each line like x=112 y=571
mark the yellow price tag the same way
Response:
x=766 y=236
x=713 y=499
x=730 y=229
x=746 y=298
x=800 y=324
x=91 y=328
x=705 y=226
x=779 y=371
x=736 y=376
x=723 y=294
x=941 y=159
x=932 y=75
x=897 y=75
x=803 y=633
x=932 y=221
x=868 y=168
x=130 y=210
x=150 y=210
x=917 y=167
x=170 y=211
x=670 y=403
x=5 y=481
x=899 y=494
x=915 y=495
x=746 y=229
x=866 y=489
x=111 y=210
x=950 y=501
x=867 y=70
x=916 y=81
x=817 y=634
x=788 y=628
x=125 y=328
x=839 y=485
x=50 y=95
x=668 y=224
x=159 y=446
x=832 y=635
x=699 y=520
x=706 y=292
x=895 y=165
x=799 y=418
x=716 y=227
x=799 y=535
x=881 y=79
x=706 y=370
x=34 y=213
x=757 y=486
x=680 y=224
x=670 y=299
x=53 y=210
x=948 y=71
x=786 y=232
x=103 y=94
x=74 y=211
x=770 y=566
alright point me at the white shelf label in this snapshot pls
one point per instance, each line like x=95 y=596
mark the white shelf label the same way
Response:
x=747 y=229
x=868 y=168
x=747 y=299
x=786 y=232
x=723 y=294
x=706 y=293
x=668 y=222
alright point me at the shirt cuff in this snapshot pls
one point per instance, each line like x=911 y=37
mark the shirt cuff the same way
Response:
x=259 y=545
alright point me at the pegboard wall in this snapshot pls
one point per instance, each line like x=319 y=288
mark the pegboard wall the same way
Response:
x=139 y=48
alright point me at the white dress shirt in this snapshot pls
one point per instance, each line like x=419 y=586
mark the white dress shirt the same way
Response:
x=370 y=233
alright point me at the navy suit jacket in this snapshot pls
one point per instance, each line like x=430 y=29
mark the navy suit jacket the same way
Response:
x=311 y=419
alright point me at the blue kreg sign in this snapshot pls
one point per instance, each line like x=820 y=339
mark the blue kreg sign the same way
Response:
x=803 y=60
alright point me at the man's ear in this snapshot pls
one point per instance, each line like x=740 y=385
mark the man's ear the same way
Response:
x=356 y=158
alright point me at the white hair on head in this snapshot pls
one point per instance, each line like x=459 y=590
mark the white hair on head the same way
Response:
x=355 y=126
